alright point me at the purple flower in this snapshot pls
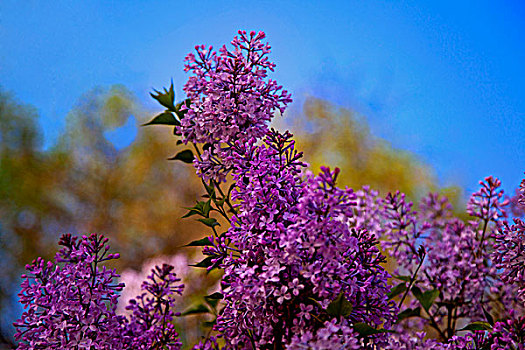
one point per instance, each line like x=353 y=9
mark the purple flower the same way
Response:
x=71 y=303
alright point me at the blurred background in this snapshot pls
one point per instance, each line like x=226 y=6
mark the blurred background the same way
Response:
x=416 y=96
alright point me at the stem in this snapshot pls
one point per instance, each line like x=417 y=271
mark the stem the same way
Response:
x=412 y=280
x=435 y=325
x=486 y=222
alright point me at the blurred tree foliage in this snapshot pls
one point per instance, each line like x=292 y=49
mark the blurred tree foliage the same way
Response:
x=335 y=136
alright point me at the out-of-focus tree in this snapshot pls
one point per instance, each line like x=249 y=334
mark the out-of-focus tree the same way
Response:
x=27 y=179
x=87 y=183
x=132 y=194
x=336 y=136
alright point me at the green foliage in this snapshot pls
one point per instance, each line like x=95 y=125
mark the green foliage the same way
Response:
x=416 y=312
x=477 y=326
x=339 y=307
x=185 y=156
x=165 y=118
x=398 y=289
x=426 y=299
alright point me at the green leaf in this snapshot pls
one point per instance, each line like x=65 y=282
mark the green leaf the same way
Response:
x=209 y=323
x=166 y=98
x=427 y=298
x=199 y=243
x=165 y=118
x=191 y=213
x=210 y=190
x=216 y=295
x=206 y=262
x=400 y=288
x=198 y=209
x=477 y=326
x=213 y=302
x=339 y=307
x=403 y=278
x=365 y=330
x=409 y=313
x=211 y=222
x=197 y=309
x=206 y=208
x=488 y=316
x=186 y=156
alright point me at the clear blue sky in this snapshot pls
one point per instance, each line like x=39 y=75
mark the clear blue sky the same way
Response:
x=444 y=79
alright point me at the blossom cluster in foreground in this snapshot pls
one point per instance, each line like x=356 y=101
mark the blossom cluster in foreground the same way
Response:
x=70 y=303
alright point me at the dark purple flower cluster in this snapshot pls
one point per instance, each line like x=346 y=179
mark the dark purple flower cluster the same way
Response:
x=71 y=303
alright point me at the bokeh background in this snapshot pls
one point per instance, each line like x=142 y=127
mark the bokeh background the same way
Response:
x=417 y=96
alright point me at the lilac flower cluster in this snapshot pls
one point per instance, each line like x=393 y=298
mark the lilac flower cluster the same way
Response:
x=509 y=254
x=231 y=99
x=505 y=335
x=294 y=253
x=457 y=270
x=71 y=303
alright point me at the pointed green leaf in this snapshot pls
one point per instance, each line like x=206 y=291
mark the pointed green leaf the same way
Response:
x=409 y=313
x=186 y=156
x=365 y=330
x=477 y=326
x=400 y=288
x=191 y=213
x=488 y=316
x=213 y=302
x=427 y=298
x=199 y=243
x=206 y=209
x=206 y=262
x=166 y=98
x=211 y=222
x=403 y=278
x=197 y=309
x=340 y=306
x=195 y=210
x=216 y=295
x=165 y=118
x=209 y=323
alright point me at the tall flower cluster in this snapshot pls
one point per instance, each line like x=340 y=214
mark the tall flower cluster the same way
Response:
x=455 y=280
x=231 y=99
x=150 y=325
x=71 y=303
x=294 y=253
x=292 y=249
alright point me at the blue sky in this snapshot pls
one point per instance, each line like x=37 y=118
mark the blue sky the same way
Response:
x=443 y=79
